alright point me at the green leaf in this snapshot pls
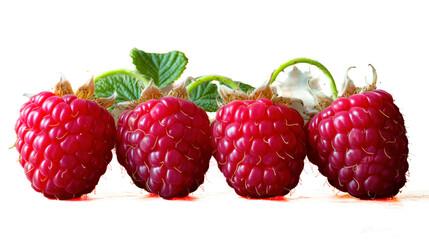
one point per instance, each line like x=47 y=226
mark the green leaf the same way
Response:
x=163 y=68
x=206 y=94
x=244 y=87
x=127 y=86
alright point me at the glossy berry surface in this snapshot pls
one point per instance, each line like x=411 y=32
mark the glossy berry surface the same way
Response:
x=165 y=146
x=359 y=143
x=259 y=147
x=65 y=144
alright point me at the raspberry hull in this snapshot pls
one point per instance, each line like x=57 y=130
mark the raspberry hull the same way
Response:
x=65 y=144
x=259 y=147
x=359 y=143
x=165 y=146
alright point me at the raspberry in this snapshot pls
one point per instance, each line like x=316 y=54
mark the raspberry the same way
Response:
x=165 y=146
x=259 y=146
x=64 y=143
x=359 y=143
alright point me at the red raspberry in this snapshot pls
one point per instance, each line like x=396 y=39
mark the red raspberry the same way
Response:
x=259 y=147
x=359 y=143
x=165 y=146
x=64 y=143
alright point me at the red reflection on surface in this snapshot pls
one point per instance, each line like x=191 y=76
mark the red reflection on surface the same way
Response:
x=82 y=198
x=187 y=198
x=278 y=198
x=348 y=196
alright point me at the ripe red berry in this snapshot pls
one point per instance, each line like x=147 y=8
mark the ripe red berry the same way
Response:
x=359 y=143
x=165 y=146
x=64 y=143
x=260 y=147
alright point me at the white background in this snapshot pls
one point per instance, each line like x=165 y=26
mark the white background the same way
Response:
x=244 y=40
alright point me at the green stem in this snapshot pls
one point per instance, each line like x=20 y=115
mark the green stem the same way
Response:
x=209 y=78
x=138 y=76
x=311 y=62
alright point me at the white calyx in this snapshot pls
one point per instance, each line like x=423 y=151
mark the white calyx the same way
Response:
x=305 y=86
x=349 y=88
